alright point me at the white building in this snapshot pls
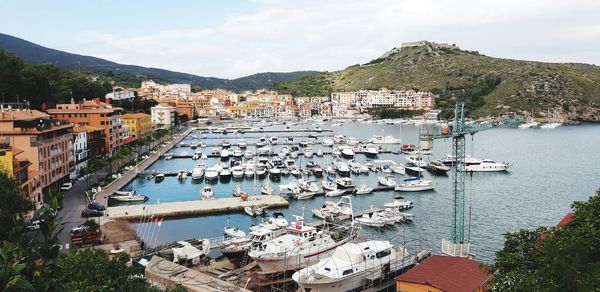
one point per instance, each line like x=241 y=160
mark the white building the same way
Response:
x=80 y=153
x=405 y=99
x=163 y=116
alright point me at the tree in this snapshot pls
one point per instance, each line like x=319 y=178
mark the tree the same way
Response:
x=12 y=203
x=553 y=259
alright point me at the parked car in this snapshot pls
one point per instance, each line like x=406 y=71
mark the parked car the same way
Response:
x=96 y=206
x=66 y=186
x=33 y=225
x=91 y=213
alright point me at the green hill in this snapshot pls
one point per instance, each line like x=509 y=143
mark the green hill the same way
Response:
x=489 y=86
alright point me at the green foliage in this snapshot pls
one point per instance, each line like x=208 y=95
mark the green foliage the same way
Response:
x=135 y=105
x=45 y=83
x=553 y=259
x=314 y=85
x=11 y=204
x=394 y=113
x=94 y=270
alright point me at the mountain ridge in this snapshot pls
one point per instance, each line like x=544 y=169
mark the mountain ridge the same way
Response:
x=36 y=54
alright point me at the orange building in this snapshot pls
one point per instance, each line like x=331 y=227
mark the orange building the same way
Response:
x=44 y=143
x=96 y=114
x=184 y=107
x=445 y=274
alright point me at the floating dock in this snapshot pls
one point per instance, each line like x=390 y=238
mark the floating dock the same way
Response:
x=195 y=208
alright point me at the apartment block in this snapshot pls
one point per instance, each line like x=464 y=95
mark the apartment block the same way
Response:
x=163 y=116
x=139 y=125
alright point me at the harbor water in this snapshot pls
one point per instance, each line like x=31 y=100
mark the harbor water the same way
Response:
x=549 y=170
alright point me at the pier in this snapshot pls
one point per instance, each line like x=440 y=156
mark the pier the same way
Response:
x=195 y=208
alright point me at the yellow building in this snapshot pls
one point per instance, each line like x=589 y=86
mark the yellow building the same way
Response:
x=18 y=169
x=139 y=125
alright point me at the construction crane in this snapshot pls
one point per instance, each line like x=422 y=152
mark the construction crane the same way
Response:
x=457 y=246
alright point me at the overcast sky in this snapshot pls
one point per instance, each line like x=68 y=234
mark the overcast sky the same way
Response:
x=235 y=38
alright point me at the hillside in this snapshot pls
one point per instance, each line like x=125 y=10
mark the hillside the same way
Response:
x=35 y=54
x=489 y=86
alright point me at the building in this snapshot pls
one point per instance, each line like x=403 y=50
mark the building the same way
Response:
x=96 y=114
x=163 y=116
x=139 y=125
x=404 y=99
x=19 y=170
x=45 y=143
x=95 y=140
x=445 y=273
x=80 y=152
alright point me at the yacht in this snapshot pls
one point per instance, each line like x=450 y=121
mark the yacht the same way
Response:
x=225 y=173
x=414 y=184
x=265 y=151
x=266 y=189
x=413 y=170
x=236 y=248
x=198 y=172
x=388 y=180
x=342 y=168
x=352 y=141
x=254 y=210
x=309 y=186
x=262 y=141
x=274 y=140
x=224 y=154
x=215 y=152
x=301 y=246
x=380 y=139
x=327 y=142
x=242 y=143
x=416 y=161
x=278 y=219
x=362 y=190
x=335 y=193
x=352 y=265
x=308 y=152
x=237 y=153
x=225 y=144
x=234 y=232
x=248 y=154
x=250 y=170
x=213 y=172
x=159 y=177
x=344 y=183
x=437 y=167
x=371 y=221
x=329 y=184
x=237 y=171
x=370 y=151
x=128 y=196
x=319 y=153
x=331 y=210
x=399 y=203
x=486 y=165
x=347 y=152
x=207 y=193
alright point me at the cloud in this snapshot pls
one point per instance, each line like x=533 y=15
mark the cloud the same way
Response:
x=330 y=35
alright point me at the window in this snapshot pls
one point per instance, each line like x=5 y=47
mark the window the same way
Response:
x=102 y=123
x=383 y=253
x=347 y=272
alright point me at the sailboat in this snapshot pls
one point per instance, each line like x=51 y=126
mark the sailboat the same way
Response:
x=551 y=123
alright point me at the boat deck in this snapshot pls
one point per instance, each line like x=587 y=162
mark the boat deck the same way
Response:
x=195 y=208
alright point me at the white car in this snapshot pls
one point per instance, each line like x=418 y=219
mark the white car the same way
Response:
x=66 y=186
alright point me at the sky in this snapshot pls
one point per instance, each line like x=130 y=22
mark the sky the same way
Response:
x=235 y=38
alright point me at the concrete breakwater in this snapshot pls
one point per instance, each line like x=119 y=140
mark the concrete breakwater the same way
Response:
x=195 y=208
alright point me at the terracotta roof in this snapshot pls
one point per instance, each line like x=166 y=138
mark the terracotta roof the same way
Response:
x=83 y=111
x=8 y=115
x=135 y=116
x=447 y=273
x=565 y=220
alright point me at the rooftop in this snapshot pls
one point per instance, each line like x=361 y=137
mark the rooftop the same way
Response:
x=447 y=273
x=565 y=220
x=79 y=129
x=15 y=115
x=135 y=116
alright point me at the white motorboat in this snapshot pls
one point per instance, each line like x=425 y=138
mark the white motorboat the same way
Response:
x=380 y=139
x=128 y=196
x=265 y=151
x=182 y=175
x=266 y=189
x=308 y=152
x=215 y=152
x=198 y=172
x=168 y=156
x=237 y=171
x=399 y=203
x=331 y=210
x=204 y=156
x=262 y=141
x=278 y=219
x=235 y=249
x=319 y=153
x=237 y=153
x=242 y=143
x=329 y=184
x=552 y=125
x=207 y=193
x=388 y=180
x=414 y=184
x=306 y=185
x=225 y=143
x=159 y=177
x=250 y=170
x=335 y=193
x=254 y=211
x=344 y=183
x=351 y=266
x=416 y=160
x=397 y=168
x=362 y=190
x=261 y=171
x=347 y=153
x=234 y=232
x=327 y=142
x=413 y=170
x=212 y=172
x=274 y=140
x=351 y=141
x=304 y=195
x=486 y=165
x=370 y=221
x=275 y=173
x=370 y=151
x=225 y=173
x=342 y=168
x=225 y=154
x=248 y=154
x=301 y=246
